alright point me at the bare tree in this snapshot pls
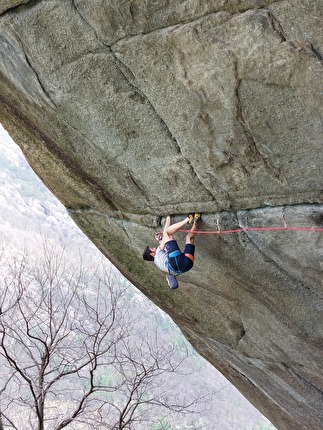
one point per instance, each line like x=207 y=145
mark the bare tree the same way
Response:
x=69 y=357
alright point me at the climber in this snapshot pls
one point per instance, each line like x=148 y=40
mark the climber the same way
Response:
x=167 y=256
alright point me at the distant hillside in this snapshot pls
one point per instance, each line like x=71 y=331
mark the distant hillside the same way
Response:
x=27 y=208
x=28 y=211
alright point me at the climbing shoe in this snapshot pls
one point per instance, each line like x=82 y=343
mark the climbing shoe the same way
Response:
x=197 y=217
x=191 y=218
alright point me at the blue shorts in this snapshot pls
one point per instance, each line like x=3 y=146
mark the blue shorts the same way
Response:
x=180 y=262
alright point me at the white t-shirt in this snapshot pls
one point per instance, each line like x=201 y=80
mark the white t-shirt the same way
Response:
x=161 y=259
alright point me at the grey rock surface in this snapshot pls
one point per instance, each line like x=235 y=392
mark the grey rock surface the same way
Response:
x=133 y=110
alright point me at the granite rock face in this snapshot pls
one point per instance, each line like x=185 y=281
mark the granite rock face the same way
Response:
x=133 y=110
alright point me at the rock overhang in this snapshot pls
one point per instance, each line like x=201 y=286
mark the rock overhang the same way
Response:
x=132 y=111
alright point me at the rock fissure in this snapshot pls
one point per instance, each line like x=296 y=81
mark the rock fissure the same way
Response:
x=47 y=95
x=316 y=53
x=260 y=362
x=13 y=5
x=91 y=143
x=139 y=186
x=77 y=10
x=276 y=25
x=298 y=45
x=267 y=258
x=304 y=380
x=197 y=18
x=311 y=294
x=122 y=67
x=252 y=141
x=126 y=72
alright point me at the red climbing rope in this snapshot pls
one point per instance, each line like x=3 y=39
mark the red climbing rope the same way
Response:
x=244 y=229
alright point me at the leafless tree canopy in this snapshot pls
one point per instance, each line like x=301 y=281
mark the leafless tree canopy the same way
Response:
x=73 y=356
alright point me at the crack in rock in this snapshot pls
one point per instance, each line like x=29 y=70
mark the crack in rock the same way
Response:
x=298 y=45
x=130 y=79
x=253 y=145
x=42 y=86
x=11 y=7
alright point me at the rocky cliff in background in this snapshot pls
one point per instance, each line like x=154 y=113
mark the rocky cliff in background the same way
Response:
x=133 y=110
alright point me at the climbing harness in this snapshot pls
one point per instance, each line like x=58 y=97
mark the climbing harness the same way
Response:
x=171 y=269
